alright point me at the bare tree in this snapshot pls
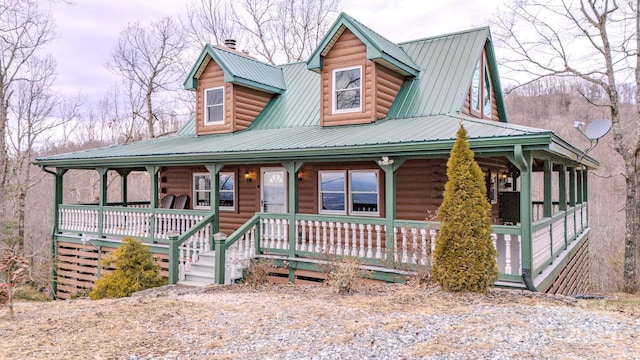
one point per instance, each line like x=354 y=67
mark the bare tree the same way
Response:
x=34 y=115
x=149 y=59
x=275 y=30
x=596 y=41
x=25 y=28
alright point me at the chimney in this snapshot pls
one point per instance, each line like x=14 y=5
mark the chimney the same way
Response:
x=230 y=43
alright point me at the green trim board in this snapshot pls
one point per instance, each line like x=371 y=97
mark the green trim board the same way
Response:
x=379 y=49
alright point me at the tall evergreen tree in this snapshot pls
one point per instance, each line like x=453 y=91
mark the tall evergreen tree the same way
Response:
x=464 y=258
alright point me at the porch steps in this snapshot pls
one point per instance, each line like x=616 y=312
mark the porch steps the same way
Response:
x=202 y=271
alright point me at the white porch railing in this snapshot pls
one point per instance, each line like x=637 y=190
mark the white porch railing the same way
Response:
x=78 y=218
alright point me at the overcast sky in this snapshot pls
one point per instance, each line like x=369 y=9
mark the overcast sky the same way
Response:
x=88 y=30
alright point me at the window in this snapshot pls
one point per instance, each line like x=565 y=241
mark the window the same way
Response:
x=361 y=189
x=332 y=191
x=475 y=89
x=364 y=192
x=226 y=191
x=487 y=94
x=214 y=106
x=347 y=91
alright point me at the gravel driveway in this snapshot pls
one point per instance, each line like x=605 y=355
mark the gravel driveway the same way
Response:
x=300 y=322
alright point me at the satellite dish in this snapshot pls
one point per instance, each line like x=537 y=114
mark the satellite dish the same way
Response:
x=594 y=132
x=597 y=129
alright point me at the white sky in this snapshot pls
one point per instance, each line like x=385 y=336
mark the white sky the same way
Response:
x=88 y=30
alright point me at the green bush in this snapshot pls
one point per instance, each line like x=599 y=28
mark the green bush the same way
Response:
x=464 y=257
x=135 y=270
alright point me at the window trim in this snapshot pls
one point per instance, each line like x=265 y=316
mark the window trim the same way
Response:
x=206 y=106
x=334 y=97
x=365 y=213
x=344 y=192
x=207 y=207
x=477 y=71
x=486 y=88
x=233 y=191
x=348 y=197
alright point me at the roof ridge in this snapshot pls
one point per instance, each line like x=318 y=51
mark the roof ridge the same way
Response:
x=247 y=57
x=456 y=33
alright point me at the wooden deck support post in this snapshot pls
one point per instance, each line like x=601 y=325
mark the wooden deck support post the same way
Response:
x=57 y=200
x=219 y=240
x=214 y=170
x=173 y=259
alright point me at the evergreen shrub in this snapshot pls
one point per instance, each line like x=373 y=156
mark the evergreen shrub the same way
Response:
x=135 y=270
x=464 y=257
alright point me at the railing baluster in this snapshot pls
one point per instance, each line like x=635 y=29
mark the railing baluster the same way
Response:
x=339 y=241
x=414 y=246
x=378 y=242
x=405 y=239
x=316 y=248
x=324 y=237
x=369 y=241
x=425 y=244
x=332 y=249
x=361 y=253
x=507 y=255
x=303 y=235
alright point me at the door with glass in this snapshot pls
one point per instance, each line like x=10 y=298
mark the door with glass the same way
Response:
x=273 y=197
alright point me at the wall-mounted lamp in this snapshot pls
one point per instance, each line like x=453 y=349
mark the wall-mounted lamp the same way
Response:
x=300 y=177
x=247 y=176
x=385 y=161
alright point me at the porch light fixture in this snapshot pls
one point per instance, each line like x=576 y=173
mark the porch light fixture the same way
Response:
x=300 y=177
x=247 y=176
x=386 y=161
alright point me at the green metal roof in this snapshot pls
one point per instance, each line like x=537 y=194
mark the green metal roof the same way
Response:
x=421 y=135
x=238 y=69
x=379 y=49
x=446 y=66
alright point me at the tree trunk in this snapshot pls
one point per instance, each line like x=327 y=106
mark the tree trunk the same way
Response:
x=149 y=114
x=632 y=234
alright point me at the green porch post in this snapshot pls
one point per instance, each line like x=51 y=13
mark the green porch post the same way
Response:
x=562 y=198
x=585 y=196
x=124 y=185
x=103 y=198
x=173 y=259
x=548 y=180
x=214 y=170
x=572 y=187
x=153 y=199
x=579 y=190
x=390 y=166
x=57 y=200
x=522 y=159
x=292 y=168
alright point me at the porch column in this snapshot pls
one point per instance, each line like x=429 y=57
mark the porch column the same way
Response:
x=572 y=187
x=390 y=166
x=124 y=173
x=57 y=200
x=214 y=170
x=292 y=168
x=153 y=198
x=547 y=207
x=522 y=159
x=562 y=198
x=579 y=190
x=102 y=202
x=585 y=200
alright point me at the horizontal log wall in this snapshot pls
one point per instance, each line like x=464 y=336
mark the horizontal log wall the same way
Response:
x=388 y=84
x=248 y=103
x=212 y=76
x=78 y=267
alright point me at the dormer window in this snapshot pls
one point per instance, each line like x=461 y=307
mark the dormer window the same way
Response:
x=475 y=89
x=487 y=94
x=214 y=106
x=347 y=94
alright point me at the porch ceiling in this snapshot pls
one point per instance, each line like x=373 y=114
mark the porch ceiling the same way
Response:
x=431 y=135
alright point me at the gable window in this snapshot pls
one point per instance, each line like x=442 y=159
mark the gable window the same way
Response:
x=214 y=106
x=347 y=94
x=486 y=106
x=226 y=191
x=353 y=192
x=475 y=89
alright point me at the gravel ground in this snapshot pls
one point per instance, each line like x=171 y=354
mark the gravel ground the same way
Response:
x=299 y=322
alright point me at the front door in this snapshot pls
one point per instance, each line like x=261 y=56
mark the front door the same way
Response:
x=274 y=190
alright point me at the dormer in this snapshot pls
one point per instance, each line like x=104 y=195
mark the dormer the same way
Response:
x=361 y=73
x=231 y=89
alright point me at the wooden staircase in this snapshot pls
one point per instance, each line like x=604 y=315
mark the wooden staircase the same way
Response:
x=201 y=272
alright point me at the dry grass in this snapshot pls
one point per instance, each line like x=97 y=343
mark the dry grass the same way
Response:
x=182 y=322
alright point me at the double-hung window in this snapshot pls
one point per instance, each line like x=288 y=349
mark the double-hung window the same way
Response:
x=353 y=192
x=226 y=191
x=214 y=106
x=347 y=90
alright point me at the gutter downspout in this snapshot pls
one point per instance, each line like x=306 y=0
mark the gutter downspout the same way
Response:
x=523 y=165
x=54 y=255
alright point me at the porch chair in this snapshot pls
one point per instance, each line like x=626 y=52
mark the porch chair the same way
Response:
x=180 y=202
x=167 y=201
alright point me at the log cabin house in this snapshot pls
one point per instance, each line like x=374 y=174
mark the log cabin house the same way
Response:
x=342 y=155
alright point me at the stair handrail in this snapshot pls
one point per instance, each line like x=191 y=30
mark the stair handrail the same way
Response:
x=222 y=244
x=176 y=240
